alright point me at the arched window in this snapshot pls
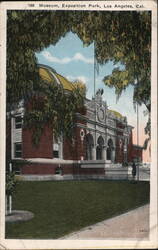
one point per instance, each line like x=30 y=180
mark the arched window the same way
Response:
x=109 y=149
x=89 y=146
x=99 y=149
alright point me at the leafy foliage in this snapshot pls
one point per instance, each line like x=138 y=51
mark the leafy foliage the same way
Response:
x=122 y=37
x=51 y=105
x=10 y=183
x=134 y=54
x=147 y=132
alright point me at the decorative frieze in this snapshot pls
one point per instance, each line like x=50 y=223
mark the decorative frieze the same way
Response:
x=111 y=132
x=111 y=123
x=90 y=115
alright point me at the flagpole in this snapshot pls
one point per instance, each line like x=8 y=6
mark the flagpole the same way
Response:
x=137 y=142
x=94 y=71
x=95 y=101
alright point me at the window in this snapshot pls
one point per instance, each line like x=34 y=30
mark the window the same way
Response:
x=109 y=149
x=58 y=170
x=18 y=150
x=57 y=148
x=56 y=153
x=99 y=149
x=99 y=153
x=18 y=122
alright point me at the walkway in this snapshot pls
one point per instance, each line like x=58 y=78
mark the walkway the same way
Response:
x=133 y=224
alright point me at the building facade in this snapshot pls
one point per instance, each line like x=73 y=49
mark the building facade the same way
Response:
x=102 y=141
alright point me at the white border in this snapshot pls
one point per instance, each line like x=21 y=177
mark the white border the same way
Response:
x=78 y=244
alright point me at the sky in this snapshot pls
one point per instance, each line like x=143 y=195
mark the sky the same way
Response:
x=70 y=58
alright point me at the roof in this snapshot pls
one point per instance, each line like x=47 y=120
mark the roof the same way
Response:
x=117 y=114
x=48 y=74
x=66 y=84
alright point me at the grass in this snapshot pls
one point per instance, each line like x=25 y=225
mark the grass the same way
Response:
x=63 y=207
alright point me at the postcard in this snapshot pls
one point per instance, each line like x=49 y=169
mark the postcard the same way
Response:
x=78 y=108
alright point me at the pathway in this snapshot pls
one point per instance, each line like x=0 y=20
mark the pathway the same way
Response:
x=133 y=224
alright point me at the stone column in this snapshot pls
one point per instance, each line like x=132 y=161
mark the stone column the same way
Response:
x=61 y=148
x=113 y=155
x=104 y=153
x=125 y=153
x=94 y=153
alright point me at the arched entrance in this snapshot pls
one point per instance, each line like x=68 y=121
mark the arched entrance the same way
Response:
x=99 y=149
x=89 y=146
x=109 y=149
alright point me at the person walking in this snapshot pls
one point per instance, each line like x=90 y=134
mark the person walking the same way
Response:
x=133 y=170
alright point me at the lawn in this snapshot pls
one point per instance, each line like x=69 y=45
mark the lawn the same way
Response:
x=66 y=206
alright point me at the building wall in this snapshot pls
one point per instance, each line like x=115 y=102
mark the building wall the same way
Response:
x=119 y=151
x=50 y=169
x=136 y=153
x=66 y=169
x=119 y=143
x=45 y=169
x=80 y=145
x=43 y=150
x=68 y=149
x=130 y=148
x=75 y=149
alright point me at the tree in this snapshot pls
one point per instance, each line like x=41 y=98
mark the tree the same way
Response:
x=135 y=56
x=10 y=187
x=51 y=105
x=122 y=37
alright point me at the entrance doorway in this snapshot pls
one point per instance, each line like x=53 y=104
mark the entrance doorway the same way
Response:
x=99 y=149
x=109 y=150
x=89 y=146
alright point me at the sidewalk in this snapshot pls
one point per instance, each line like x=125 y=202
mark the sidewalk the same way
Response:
x=130 y=225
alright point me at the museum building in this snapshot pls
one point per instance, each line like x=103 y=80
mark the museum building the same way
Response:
x=102 y=142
